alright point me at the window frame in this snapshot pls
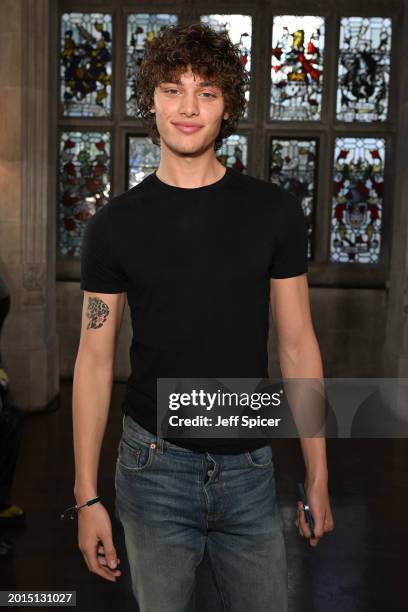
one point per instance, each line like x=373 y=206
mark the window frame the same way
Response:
x=258 y=126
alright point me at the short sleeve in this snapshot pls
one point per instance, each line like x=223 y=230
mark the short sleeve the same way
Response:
x=289 y=258
x=99 y=271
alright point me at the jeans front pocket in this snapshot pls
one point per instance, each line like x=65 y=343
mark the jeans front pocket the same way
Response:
x=260 y=457
x=135 y=455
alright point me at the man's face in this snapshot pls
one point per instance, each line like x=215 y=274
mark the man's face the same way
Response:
x=189 y=112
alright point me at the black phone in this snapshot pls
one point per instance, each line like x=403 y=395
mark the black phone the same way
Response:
x=306 y=509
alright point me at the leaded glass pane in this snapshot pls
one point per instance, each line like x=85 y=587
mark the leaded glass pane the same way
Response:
x=84 y=184
x=143 y=159
x=364 y=69
x=358 y=200
x=141 y=27
x=234 y=152
x=86 y=64
x=293 y=166
x=297 y=67
x=239 y=28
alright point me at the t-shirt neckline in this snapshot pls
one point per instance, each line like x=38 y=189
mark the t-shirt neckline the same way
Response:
x=219 y=183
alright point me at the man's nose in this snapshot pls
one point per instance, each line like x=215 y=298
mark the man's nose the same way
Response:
x=189 y=104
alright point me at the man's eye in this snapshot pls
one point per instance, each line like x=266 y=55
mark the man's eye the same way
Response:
x=207 y=93
x=170 y=90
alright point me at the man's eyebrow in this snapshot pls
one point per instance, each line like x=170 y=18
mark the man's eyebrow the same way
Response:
x=200 y=84
x=207 y=84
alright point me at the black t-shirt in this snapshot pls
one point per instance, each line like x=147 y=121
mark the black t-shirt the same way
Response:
x=195 y=264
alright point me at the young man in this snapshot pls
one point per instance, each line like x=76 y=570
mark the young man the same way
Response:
x=200 y=252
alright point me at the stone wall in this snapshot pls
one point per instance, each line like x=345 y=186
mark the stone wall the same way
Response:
x=28 y=214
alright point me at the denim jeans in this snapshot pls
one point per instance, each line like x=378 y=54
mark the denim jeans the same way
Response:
x=173 y=502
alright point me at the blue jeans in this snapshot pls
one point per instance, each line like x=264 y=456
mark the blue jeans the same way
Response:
x=173 y=502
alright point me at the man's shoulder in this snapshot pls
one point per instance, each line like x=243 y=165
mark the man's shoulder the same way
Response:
x=128 y=200
x=261 y=190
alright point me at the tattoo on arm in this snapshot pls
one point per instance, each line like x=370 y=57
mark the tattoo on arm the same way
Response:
x=97 y=313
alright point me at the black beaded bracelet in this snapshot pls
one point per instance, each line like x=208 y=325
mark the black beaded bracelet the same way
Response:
x=74 y=509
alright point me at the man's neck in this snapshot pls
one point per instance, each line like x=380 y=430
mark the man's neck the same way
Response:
x=189 y=172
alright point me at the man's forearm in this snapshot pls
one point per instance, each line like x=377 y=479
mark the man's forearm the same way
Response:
x=91 y=393
x=305 y=362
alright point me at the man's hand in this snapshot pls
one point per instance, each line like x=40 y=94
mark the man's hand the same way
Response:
x=318 y=497
x=95 y=538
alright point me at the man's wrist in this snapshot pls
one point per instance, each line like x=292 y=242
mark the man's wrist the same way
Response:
x=84 y=494
x=317 y=478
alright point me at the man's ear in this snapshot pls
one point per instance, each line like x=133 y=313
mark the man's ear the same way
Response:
x=226 y=115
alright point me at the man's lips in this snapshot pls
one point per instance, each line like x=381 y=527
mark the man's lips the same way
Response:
x=187 y=128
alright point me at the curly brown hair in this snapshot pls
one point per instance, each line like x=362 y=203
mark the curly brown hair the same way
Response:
x=211 y=54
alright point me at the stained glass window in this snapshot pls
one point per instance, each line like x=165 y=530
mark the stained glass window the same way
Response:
x=143 y=158
x=351 y=225
x=234 y=152
x=86 y=64
x=357 y=200
x=293 y=166
x=141 y=27
x=239 y=28
x=297 y=68
x=364 y=69
x=84 y=184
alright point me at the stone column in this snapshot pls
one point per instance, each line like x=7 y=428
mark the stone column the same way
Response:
x=28 y=204
x=396 y=344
